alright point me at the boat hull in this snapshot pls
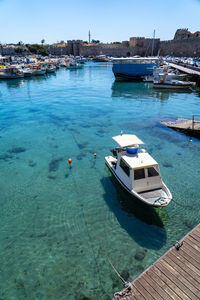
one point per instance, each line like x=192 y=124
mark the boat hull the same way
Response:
x=133 y=71
x=12 y=76
x=171 y=86
x=38 y=72
x=134 y=194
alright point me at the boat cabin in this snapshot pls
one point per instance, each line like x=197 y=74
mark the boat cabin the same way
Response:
x=135 y=167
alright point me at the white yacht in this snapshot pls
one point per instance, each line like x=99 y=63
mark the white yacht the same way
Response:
x=137 y=171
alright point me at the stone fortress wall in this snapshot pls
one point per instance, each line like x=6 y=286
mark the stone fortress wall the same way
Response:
x=184 y=43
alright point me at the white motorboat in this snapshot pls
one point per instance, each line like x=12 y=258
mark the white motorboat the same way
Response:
x=137 y=171
x=164 y=72
x=165 y=82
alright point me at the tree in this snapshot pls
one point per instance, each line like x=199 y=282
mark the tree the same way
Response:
x=42 y=41
x=95 y=41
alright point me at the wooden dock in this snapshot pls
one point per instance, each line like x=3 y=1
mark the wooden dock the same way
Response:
x=186 y=69
x=176 y=275
x=189 y=127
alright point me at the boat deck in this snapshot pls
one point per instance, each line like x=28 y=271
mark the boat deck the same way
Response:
x=176 y=275
x=154 y=194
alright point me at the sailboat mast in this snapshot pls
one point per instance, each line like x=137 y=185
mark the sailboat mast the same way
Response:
x=154 y=33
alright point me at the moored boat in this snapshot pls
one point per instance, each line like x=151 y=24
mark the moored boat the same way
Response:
x=134 y=68
x=74 y=66
x=165 y=82
x=11 y=73
x=38 y=70
x=137 y=171
x=51 y=69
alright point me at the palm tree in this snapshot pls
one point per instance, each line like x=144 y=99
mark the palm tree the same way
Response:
x=42 y=41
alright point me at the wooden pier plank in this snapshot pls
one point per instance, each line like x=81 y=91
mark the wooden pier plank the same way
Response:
x=176 y=275
x=162 y=284
x=191 y=256
x=160 y=291
x=165 y=275
x=194 y=243
x=150 y=289
x=191 y=260
x=194 y=251
x=181 y=284
x=181 y=275
x=184 y=268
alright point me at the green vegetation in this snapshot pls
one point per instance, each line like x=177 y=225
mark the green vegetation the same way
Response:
x=19 y=50
x=38 y=49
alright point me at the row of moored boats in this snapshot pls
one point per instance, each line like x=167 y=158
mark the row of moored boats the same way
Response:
x=36 y=69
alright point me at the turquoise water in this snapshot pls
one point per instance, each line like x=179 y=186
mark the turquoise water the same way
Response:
x=60 y=226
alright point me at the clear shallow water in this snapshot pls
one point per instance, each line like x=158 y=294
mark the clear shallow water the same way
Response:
x=61 y=226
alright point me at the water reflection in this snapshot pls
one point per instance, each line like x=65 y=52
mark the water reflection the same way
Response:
x=144 y=224
x=141 y=90
x=16 y=83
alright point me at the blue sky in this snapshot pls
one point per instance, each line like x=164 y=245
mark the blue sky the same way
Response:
x=108 y=20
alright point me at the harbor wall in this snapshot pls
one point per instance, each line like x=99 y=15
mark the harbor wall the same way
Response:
x=185 y=43
x=181 y=48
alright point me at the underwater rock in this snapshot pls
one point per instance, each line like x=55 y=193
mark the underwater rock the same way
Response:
x=82 y=146
x=79 y=157
x=101 y=131
x=85 y=126
x=6 y=156
x=54 y=164
x=17 y=150
x=51 y=176
x=31 y=163
x=82 y=297
x=140 y=254
x=167 y=165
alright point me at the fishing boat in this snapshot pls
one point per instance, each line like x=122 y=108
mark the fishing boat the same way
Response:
x=38 y=70
x=11 y=73
x=74 y=66
x=50 y=68
x=134 y=68
x=137 y=171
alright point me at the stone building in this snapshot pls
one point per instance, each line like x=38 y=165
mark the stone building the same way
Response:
x=185 y=43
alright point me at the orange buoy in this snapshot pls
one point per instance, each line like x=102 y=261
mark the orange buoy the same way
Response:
x=69 y=161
